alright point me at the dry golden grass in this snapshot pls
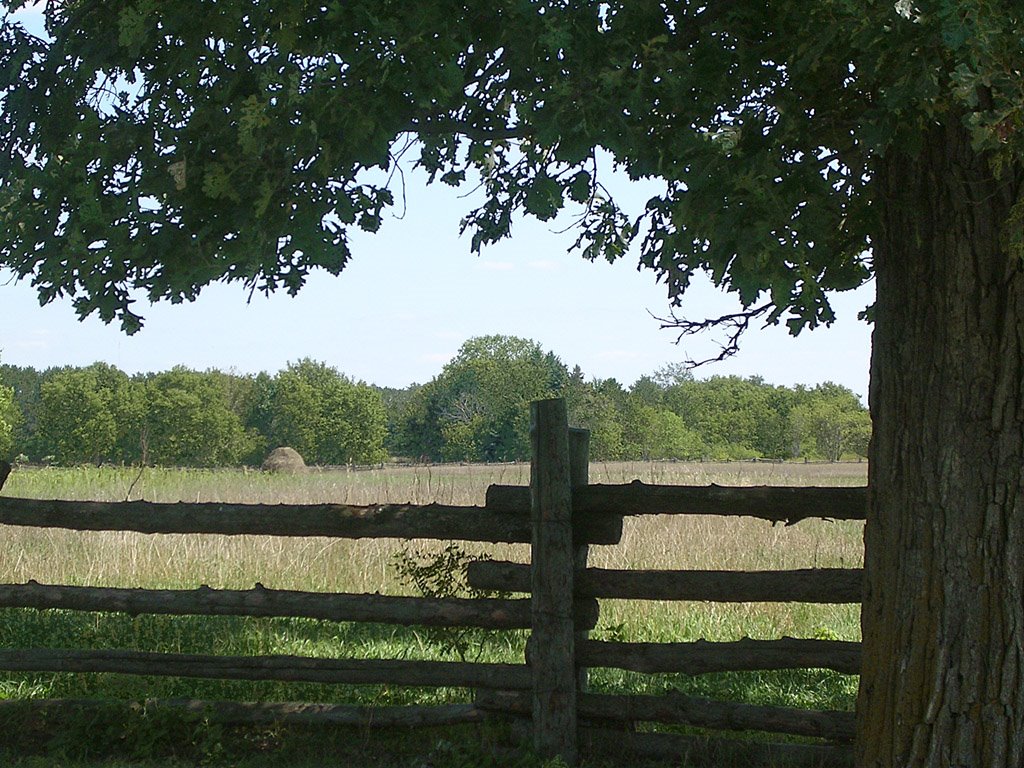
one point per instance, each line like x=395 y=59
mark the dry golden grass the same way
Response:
x=654 y=542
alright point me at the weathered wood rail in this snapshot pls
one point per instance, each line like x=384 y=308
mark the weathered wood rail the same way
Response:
x=204 y=601
x=809 y=585
x=456 y=674
x=262 y=713
x=701 y=657
x=378 y=521
x=768 y=502
x=559 y=515
x=676 y=709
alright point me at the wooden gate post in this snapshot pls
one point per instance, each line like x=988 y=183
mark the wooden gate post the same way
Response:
x=552 y=656
x=579 y=476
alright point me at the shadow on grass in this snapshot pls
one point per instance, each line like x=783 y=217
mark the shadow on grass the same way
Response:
x=237 y=636
x=120 y=733
x=243 y=636
x=114 y=735
x=803 y=688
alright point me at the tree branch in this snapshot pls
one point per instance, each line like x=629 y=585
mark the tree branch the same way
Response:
x=737 y=324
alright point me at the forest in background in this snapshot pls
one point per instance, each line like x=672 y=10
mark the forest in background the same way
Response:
x=474 y=410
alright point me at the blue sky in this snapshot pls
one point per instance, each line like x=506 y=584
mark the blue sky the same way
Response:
x=413 y=293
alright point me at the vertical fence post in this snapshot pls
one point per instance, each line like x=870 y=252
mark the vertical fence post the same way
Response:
x=552 y=656
x=579 y=476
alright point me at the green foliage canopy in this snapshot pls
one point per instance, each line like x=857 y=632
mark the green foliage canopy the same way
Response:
x=25 y=381
x=477 y=409
x=159 y=147
x=326 y=417
x=189 y=422
x=88 y=415
x=658 y=433
x=75 y=420
x=592 y=408
x=738 y=417
x=829 y=422
x=9 y=417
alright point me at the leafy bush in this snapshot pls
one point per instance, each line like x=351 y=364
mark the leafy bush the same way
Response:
x=443 y=574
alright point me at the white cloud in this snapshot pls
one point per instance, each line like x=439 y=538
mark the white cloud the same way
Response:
x=544 y=265
x=38 y=339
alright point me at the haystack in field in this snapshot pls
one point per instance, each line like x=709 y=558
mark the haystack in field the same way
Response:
x=285 y=460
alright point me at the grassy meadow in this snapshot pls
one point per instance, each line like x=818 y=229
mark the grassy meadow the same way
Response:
x=655 y=542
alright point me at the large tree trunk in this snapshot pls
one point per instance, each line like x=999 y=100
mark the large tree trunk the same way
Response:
x=943 y=665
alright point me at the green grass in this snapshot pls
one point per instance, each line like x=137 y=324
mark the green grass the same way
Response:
x=113 y=739
x=125 y=559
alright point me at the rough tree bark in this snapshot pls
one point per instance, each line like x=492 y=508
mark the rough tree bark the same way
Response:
x=943 y=666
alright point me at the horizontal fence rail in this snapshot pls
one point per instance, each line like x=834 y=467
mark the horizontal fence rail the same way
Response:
x=711 y=751
x=676 y=709
x=768 y=502
x=809 y=585
x=384 y=609
x=261 y=713
x=701 y=656
x=379 y=521
x=446 y=674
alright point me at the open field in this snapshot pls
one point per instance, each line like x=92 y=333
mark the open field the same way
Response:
x=419 y=484
x=126 y=559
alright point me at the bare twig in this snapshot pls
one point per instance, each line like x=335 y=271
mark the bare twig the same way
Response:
x=131 y=487
x=396 y=167
x=736 y=323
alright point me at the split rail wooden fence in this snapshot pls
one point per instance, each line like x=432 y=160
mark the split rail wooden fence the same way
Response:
x=559 y=515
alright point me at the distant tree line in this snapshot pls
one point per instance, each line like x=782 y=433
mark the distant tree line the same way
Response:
x=476 y=409
x=182 y=417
